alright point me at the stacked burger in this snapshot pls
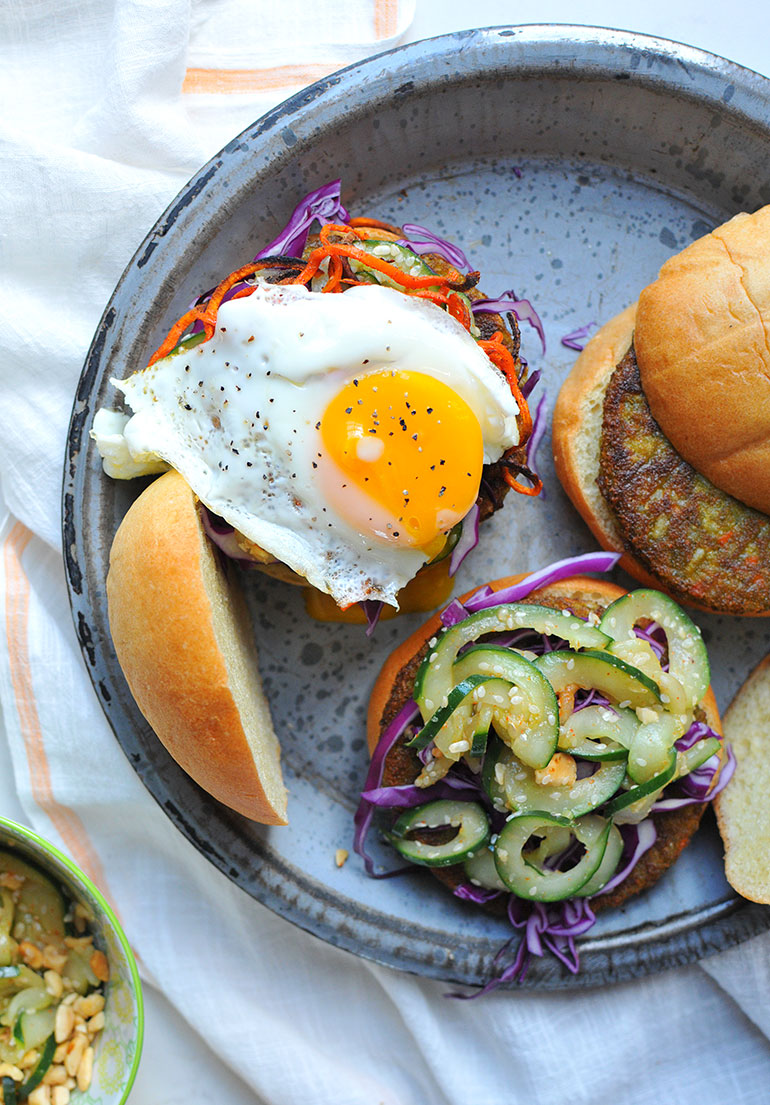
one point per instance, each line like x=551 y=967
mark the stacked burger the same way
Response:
x=661 y=433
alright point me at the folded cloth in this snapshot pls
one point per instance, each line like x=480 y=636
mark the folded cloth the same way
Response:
x=121 y=104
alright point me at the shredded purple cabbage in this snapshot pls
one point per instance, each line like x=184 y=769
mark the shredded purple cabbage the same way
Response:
x=485 y=597
x=529 y=384
x=637 y=839
x=323 y=205
x=372 y=608
x=539 y=426
x=574 y=340
x=222 y=534
x=480 y=895
x=421 y=240
x=508 y=301
x=362 y=819
x=469 y=539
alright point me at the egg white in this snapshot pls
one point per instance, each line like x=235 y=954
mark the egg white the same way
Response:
x=237 y=416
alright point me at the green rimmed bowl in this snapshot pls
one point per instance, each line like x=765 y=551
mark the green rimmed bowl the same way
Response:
x=118 y=1047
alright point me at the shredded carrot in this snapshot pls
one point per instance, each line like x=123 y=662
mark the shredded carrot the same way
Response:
x=502 y=358
x=343 y=249
x=206 y=313
x=458 y=309
x=535 y=489
x=725 y=537
x=434 y=287
x=364 y=222
x=333 y=284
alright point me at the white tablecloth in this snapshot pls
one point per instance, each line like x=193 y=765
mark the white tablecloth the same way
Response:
x=108 y=109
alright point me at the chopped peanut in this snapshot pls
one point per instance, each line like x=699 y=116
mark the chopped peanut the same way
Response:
x=64 y=1024
x=79 y=943
x=561 y=771
x=54 y=958
x=96 y=1024
x=53 y=983
x=100 y=966
x=55 y=1076
x=60 y=1095
x=340 y=856
x=85 y=1069
x=88 y=1005
x=10 y=1071
x=31 y=954
x=41 y=1095
x=75 y=1050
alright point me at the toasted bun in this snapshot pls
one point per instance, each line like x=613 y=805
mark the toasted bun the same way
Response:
x=582 y=594
x=577 y=435
x=743 y=811
x=703 y=348
x=183 y=639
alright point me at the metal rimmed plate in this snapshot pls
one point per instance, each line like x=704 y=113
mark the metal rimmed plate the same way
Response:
x=568 y=163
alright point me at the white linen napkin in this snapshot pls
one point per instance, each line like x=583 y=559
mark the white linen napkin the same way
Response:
x=121 y=104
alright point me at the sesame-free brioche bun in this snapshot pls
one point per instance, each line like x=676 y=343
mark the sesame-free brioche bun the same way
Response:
x=703 y=347
x=584 y=595
x=183 y=639
x=743 y=811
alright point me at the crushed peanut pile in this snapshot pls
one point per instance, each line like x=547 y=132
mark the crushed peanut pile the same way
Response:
x=51 y=982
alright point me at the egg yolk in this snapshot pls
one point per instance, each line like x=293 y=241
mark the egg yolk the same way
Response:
x=412 y=444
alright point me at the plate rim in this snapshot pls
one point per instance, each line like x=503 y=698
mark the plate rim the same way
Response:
x=739 y=919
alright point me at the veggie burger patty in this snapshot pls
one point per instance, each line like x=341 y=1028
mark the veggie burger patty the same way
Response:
x=699 y=541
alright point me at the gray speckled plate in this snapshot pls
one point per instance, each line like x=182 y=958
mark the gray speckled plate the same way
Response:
x=568 y=163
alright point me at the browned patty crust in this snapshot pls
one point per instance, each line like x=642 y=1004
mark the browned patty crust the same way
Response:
x=701 y=543
x=675 y=829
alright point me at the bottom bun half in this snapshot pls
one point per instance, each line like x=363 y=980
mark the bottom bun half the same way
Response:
x=184 y=641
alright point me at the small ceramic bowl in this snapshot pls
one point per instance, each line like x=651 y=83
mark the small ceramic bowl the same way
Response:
x=118 y=1046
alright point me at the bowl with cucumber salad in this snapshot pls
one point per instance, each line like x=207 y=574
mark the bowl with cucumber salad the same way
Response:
x=71 y=1013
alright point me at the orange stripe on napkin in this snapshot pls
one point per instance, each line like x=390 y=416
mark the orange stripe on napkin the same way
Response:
x=385 y=18
x=67 y=822
x=254 y=80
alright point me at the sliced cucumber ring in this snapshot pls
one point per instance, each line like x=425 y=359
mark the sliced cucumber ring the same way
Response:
x=523 y=793
x=394 y=254
x=600 y=671
x=455 y=700
x=629 y=798
x=434 y=678
x=688 y=659
x=693 y=758
x=607 y=867
x=480 y=869
x=599 y=733
x=525 y=711
x=651 y=747
x=535 y=882
x=469 y=818
x=491 y=777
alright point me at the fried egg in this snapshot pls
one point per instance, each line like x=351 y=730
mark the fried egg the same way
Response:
x=344 y=434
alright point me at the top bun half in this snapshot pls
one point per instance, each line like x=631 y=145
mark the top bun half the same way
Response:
x=702 y=343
